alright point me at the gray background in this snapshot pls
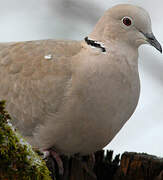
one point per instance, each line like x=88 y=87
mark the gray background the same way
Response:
x=71 y=19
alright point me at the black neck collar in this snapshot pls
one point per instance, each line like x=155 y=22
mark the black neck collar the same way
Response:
x=95 y=44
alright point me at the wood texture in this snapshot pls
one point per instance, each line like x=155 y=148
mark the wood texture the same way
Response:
x=132 y=166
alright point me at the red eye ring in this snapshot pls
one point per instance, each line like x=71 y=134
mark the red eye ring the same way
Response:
x=127 y=21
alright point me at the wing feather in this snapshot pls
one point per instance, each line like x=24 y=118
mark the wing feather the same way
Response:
x=32 y=84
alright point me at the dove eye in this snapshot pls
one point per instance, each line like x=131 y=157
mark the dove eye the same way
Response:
x=127 y=21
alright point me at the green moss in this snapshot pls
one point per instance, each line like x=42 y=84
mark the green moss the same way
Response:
x=17 y=159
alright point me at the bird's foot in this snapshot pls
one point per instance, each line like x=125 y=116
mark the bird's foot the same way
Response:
x=52 y=153
x=87 y=163
x=89 y=170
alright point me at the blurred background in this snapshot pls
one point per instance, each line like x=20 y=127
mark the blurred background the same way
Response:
x=71 y=19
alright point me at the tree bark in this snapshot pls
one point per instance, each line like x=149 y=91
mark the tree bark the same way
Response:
x=132 y=166
x=136 y=166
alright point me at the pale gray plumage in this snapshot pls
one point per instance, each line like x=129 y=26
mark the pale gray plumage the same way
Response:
x=71 y=95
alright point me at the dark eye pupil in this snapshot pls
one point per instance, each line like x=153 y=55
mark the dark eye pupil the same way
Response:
x=127 y=21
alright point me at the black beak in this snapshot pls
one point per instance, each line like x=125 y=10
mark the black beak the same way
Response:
x=153 y=41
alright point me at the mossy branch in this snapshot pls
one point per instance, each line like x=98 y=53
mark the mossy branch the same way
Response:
x=17 y=159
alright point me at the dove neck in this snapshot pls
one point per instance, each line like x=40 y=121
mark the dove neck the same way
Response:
x=95 y=44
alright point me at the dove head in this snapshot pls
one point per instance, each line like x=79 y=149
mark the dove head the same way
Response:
x=127 y=24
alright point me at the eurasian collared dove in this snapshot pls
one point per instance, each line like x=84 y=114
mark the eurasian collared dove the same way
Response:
x=76 y=95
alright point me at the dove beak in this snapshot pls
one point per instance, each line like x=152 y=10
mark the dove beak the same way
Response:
x=153 y=41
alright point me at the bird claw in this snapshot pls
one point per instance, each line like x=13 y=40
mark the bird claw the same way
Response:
x=87 y=163
x=46 y=154
x=56 y=157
